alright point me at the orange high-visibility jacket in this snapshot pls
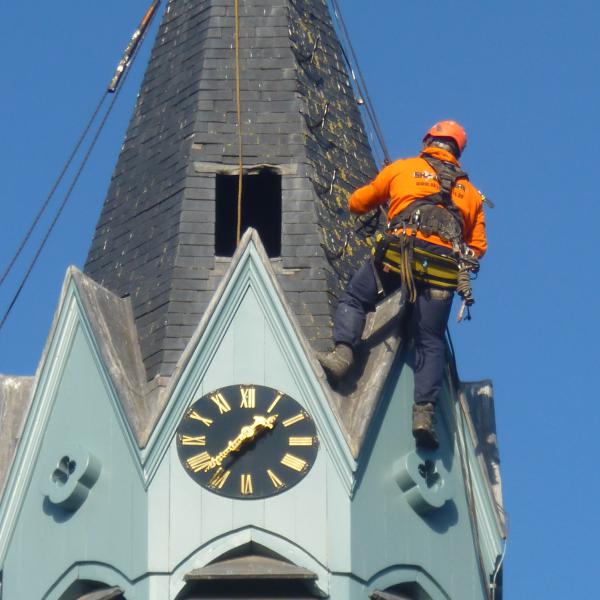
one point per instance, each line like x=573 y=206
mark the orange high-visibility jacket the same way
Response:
x=407 y=180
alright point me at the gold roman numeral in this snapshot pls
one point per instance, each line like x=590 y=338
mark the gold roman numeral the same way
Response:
x=191 y=440
x=221 y=403
x=246 y=484
x=219 y=478
x=293 y=462
x=277 y=483
x=301 y=441
x=292 y=420
x=192 y=414
x=199 y=462
x=274 y=403
x=248 y=397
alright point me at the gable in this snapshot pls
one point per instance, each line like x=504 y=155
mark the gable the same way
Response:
x=248 y=340
x=76 y=470
x=249 y=336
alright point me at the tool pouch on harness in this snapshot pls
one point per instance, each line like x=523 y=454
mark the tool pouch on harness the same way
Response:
x=436 y=214
x=437 y=220
x=394 y=253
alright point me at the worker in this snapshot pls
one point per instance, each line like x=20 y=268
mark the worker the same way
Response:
x=434 y=237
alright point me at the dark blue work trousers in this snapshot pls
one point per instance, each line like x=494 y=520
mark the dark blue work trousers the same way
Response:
x=426 y=324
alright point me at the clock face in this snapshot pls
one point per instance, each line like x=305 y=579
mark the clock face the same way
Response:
x=247 y=441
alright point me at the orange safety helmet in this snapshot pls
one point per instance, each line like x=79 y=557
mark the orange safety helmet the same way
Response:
x=449 y=129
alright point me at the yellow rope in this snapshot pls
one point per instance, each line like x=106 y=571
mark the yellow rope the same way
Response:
x=406 y=270
x=239 y=122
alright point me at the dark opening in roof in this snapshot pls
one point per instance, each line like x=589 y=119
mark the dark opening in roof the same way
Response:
x=260 y=209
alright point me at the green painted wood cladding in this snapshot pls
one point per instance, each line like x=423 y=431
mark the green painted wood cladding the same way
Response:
x=145 y=523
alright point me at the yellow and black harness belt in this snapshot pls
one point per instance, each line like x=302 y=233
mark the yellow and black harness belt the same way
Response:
x=427 y=267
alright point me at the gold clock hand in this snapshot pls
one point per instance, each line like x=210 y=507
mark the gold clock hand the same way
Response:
x=264 y=422
x=246 y=434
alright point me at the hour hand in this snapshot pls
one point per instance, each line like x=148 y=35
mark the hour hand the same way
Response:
x=249 y=432
x=246 y=434
x=261 y=422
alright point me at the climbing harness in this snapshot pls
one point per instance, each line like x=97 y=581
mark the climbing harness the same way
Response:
x=413 y=263
x=437 y=214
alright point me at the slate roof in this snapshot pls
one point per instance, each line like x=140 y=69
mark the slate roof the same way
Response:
x=155 y=237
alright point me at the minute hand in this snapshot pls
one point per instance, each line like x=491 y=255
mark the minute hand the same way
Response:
x=246 y=434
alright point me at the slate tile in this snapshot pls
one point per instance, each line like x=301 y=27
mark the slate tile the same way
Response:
x=189 y=88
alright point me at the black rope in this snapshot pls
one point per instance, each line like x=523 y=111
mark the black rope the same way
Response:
x=468 y=484
x=69 y=191
x=58 y=181
x=362 y=92
x=362 y=86
x=466 y=468
x=490 y=587
x=370 y=223
x=58 y=213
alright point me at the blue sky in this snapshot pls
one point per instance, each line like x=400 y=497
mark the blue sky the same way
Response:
x=523 y=79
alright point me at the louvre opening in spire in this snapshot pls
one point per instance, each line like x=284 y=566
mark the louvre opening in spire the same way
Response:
x=259 y=207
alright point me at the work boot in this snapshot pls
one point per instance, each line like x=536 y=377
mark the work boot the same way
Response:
x=337 y=362
x=422 y=426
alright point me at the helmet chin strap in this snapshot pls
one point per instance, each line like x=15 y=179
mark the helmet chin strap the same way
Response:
x=444 y=144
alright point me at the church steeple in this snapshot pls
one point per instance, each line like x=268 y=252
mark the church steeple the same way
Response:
x=179 y=439
x=168 y=225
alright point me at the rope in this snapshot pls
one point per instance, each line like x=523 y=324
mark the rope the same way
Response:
x=239 y=121
x=49 y=197
x=406 y=271
x=58 y=213
x=470 y=496
x=499 y=563
x=464 y=285
x=465 y=291
x=489 y=590
x=71 y=187
x=360 y=81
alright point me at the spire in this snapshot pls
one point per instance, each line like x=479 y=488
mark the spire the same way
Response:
x=168 y=225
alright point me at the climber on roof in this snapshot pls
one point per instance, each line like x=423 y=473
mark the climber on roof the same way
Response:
x=434 y=236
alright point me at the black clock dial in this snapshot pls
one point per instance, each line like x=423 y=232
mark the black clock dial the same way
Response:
x=247 y=441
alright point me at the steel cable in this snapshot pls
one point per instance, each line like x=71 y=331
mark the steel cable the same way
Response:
x=57 y=182
x=467 y=477
x=71 y=188
x=58 y=213
x=362 y=86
